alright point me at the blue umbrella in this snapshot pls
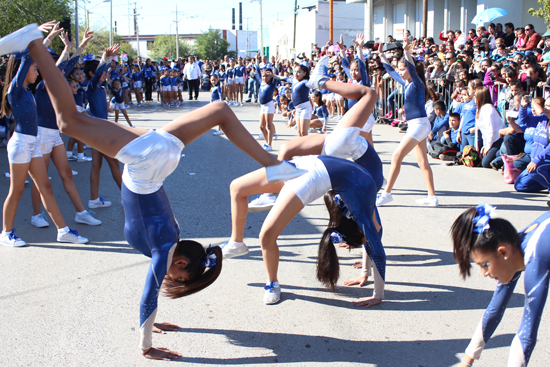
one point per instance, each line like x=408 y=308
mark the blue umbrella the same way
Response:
x=488 y=15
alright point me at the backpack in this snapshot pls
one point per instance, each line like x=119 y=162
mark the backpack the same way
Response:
x=470 y=157
x=511 y=173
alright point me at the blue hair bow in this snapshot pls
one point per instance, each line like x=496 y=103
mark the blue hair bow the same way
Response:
x=88 y=57
x=304 y=63
x=484 y=213
x=343 y=207
x=210 y=261
x=336 y=237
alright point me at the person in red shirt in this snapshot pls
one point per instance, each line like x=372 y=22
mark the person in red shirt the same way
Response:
x=471 y=35
x=450 y=36
x=533 y=38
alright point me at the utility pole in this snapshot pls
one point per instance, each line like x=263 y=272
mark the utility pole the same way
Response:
x=77 y=36
x=261 y=30
x=136 y=27
x=129 y=20
x=424 y=18
x=295 y=15
x=177 y=37
x=111 y=29
x=331 y=20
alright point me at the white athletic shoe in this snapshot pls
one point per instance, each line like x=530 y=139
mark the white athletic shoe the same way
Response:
x=428 y=201
x=319 y=76
x=74 y=173
x=87 y=218
x=11 y=240
x=71 y=237
x=83 y=159
x=39 y=221
x=232 y=249
x=242 y=104
x=261 y=136
x=98 y=203
x=262 y=202
x=267 y=148
x=218 y=133
x=20 y=39
x=283 y=172
x=384 y=199
x=72 y=157
x=272 y=293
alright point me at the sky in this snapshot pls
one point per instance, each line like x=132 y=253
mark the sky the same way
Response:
x=195 y=16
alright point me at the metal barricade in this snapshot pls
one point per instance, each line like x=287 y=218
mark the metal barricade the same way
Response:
x=390 y=99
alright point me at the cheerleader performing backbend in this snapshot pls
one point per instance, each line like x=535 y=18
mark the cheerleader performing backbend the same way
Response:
x=180 y=267
x=502 y=254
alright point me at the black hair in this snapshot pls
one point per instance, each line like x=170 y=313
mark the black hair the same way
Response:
x=11 y=71
x=199 y=276
x=421 y=74
x=465 y=240
x=320 y=95
x=328 y=267
x=90 y=67
x=509 y=25
x=305 y=69
x=455 y=115
x=440 y=105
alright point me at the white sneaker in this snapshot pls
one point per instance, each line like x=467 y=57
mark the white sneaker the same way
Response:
x=232 y=249
x=20 y=39
x=275 y=136
x=98 y=203
x=74 y=173
x=71 y=237
x=384 y=199
x=242 y=104
x=11 y=240
x=428 y=201
x=261 y=136
x=262 y=202
x=218 y=133
x=84 y=158
x=283 y=172
x=319 y=76
x=72 y=157
x=39 y=221
x=272 y=293
x=87 y=218
x=267 y=148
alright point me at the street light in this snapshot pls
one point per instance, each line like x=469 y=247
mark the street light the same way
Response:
x=261 y=27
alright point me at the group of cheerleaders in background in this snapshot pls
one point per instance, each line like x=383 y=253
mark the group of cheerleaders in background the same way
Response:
x=321 y=168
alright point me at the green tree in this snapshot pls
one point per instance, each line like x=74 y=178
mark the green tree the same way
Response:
x=543 y=12
x=101 y=41
x=211 y=45
x=15 y=14
x=165 y=46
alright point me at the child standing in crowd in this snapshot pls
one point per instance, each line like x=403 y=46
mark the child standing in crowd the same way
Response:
x=117 y=92
x=137 y=81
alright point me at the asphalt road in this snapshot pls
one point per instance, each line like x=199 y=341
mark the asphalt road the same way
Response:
x=78 y=305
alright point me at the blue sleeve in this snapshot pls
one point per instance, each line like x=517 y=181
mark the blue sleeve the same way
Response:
x=17 y=83
x=495 y=311
x=345 y=65
x=414 y=76
x=69 y=67
x=363 y=70
x=98 y=72
x=391 y=71
x=258 y=74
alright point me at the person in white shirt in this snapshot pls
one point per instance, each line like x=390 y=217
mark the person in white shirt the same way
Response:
x=192 y=73
x=488 y=122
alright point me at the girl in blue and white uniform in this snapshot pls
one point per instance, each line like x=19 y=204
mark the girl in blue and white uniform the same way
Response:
x=338 y=98
x=137 y=81
x=230 y=75
x=23 y=149
x=320 y=116
x=180 y=267
x=50 y=143
x=411 y=76
x=215 y=96
x=238 y=81
x=118 y=94
x=503 y=254
x=300 y=97
x=268 y=84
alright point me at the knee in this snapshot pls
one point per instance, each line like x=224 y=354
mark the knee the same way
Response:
x=285 y=152
x=396 y=157
x=235 y=188
x=268 y=238
x=45 y=187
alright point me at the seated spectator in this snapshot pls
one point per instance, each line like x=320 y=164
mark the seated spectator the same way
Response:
x=456 y=97
x=448 y=146
x=532 y=39
x=536 y=176
x=521 y=38
x=509 y=34
x=471 y=35
x=435 y=70
x=489 y=123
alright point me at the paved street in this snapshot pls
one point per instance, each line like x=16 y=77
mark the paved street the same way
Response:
x=78 y=305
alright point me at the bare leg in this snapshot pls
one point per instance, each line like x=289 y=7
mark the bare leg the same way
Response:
x=307 y=145
x=367 y=136
x=191 y=126
x=127 y=117
x=97 y=162
x=59 y=158
x=252 y=183
x=263 y=125
x=270 y=129
x=348 y=90
x=18 y=174
x=421 y=151
x=35 y=194
x=114 y=165
x=303 y=126
x=287 y=206
x=116 y=116
x=404 y=148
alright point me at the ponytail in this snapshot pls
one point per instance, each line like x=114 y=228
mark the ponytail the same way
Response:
x=200 y=275
x=11 y=72
x=466 y=240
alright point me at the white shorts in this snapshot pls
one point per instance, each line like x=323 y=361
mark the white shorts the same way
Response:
x=312 y=185
x=180 y=88
x=345 y=143
x=239 y=80
x=330 y=96
x=368 y=125
x=118 y=106
x=22 y=148
x=166 y=88
x=124 y=85
x=48 y=138
x=304 y=111
x=148 y=160
x=338 y=97
x=137 y=84
x=419 y=128
x=80 y=109
x=174 y=88
x=268 y=108
x=229 y=81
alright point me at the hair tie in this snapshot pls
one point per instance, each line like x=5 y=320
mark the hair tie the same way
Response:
x=484 y=213
x=342 y=206
x=210 y=261
x=336 y=238
x=304 y=63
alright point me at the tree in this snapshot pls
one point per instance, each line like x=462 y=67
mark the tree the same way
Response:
x=211 y=45
x=165 y=46
x=101 y=41
x=543 y=12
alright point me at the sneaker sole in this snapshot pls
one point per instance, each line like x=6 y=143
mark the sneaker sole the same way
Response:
x=273 y=302
x=90 y=224
x=230 y=256
x=10 y=245
x=98 y=206
x=256 y=209
x=67 y=241
x=43 y=226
